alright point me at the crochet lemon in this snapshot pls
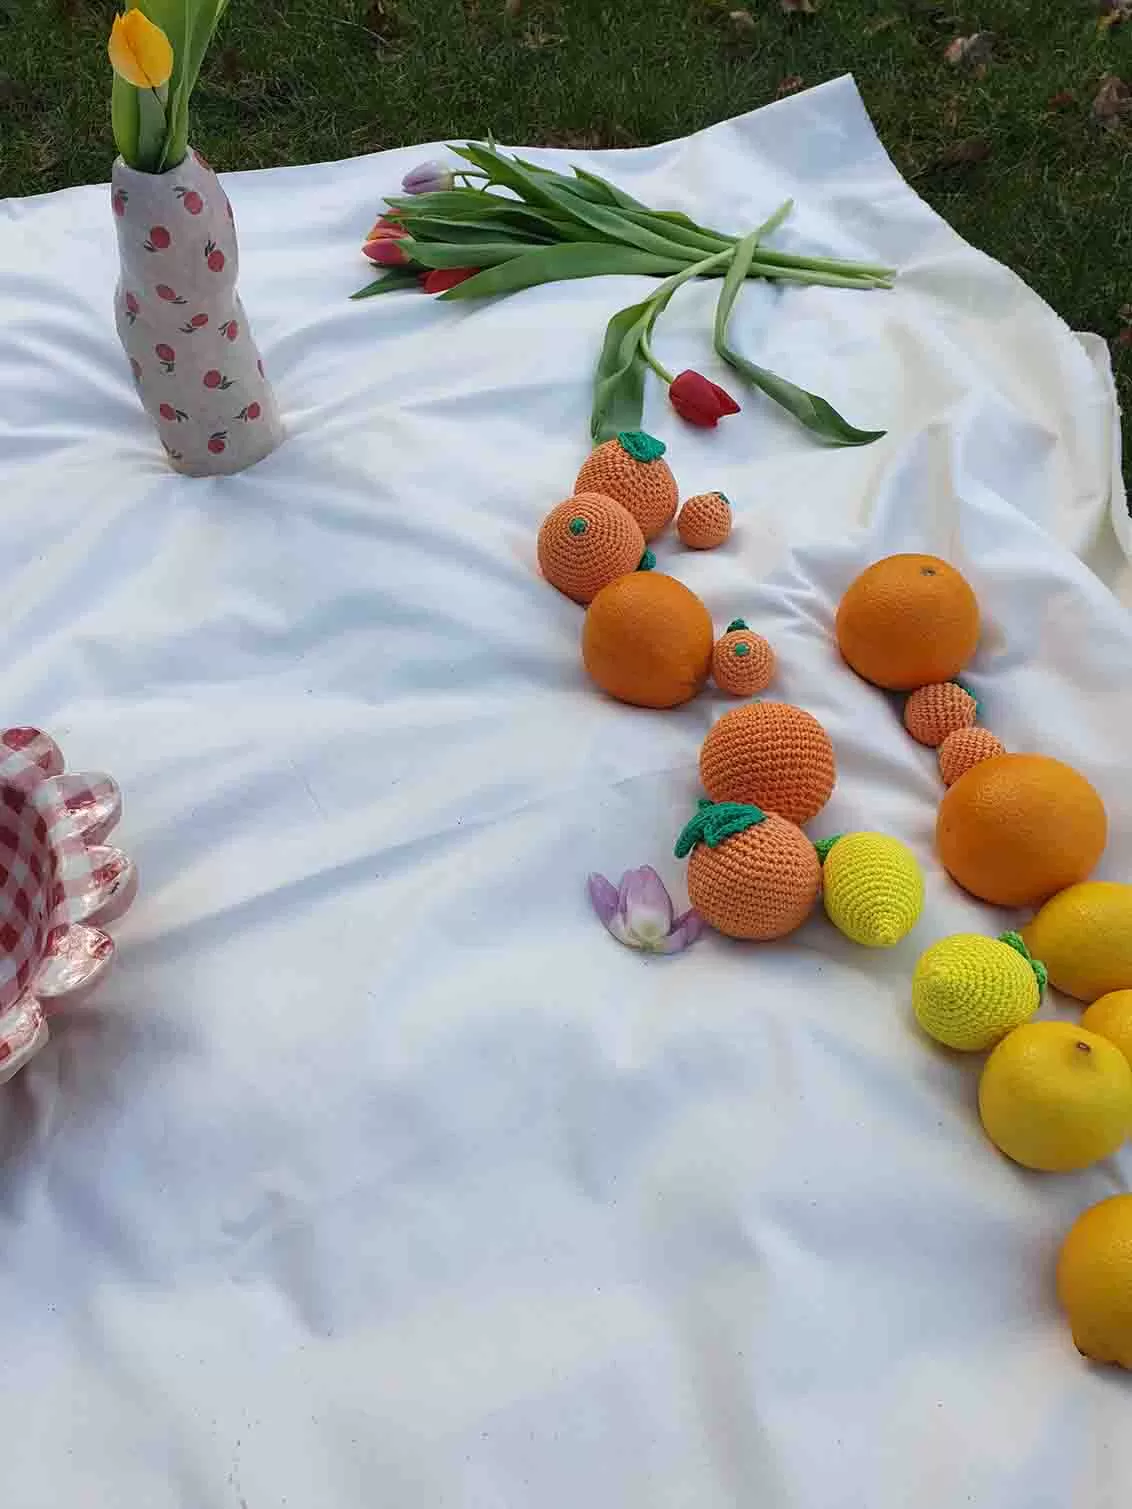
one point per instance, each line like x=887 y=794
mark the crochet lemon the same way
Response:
x=968 y=991
x=874 y=890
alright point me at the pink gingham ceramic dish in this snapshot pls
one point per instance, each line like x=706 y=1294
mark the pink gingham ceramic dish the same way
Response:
x=60 y=883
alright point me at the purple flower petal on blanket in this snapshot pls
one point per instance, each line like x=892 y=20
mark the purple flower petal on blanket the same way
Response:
x=639 y=914
x=603 y=897
x=645 y=906
x=685 y=931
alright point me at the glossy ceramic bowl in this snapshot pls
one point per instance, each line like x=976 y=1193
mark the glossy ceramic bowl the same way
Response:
x=60 y=884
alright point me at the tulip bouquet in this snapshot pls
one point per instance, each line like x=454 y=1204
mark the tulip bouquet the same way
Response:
x=156 y=50
x=501 y=224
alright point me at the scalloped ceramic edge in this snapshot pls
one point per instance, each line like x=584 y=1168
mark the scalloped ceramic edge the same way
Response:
x=60 y=883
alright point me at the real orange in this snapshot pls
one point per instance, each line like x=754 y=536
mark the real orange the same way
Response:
x=1017 y=828
x=907 y=621
x=647 y=640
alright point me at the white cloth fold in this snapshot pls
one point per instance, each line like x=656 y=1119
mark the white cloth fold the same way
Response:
x=379 y=1173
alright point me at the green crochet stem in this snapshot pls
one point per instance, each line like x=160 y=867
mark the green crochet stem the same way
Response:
x=963 y=687
x=737 y=623
x=1015 y=941
x=716 y=822
x=641 y=446
x=823 y=845
x=647 y=561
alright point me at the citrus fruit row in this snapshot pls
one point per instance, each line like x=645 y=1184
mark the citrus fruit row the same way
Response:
x=647 y=639
x=768 y=768
x=1014 y=830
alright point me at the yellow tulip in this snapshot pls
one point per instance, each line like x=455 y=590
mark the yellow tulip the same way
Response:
x=140 y=52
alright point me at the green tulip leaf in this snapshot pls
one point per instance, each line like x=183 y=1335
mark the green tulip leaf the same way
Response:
x=549 y=264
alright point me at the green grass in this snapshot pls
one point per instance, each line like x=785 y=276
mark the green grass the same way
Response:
x=1047 y=189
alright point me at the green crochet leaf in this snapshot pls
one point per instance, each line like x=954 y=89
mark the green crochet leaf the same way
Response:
x=963 y=687
x=737 y=623
x=716 y=822
x=647 y=561
x=1017 y=943
x=823 y=845
x=641 y=446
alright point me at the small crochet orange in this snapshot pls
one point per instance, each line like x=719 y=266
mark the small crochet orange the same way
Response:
x=771 y=755
x=964 y=748
x=629 y=469
x=742 y=662
x=705 y=521
x=932 y=712
x=751 y=874
x=647 y=640
x=587 y=542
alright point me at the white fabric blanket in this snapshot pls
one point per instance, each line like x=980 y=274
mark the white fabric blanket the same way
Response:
x=379 y=1175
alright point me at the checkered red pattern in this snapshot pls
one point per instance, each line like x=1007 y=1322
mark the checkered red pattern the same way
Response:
x=46 y=870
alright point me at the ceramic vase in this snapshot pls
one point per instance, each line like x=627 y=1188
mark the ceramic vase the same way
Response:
x=195 y=364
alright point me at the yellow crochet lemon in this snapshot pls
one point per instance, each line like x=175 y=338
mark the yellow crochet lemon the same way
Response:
x=968 y=991
x=874 y=891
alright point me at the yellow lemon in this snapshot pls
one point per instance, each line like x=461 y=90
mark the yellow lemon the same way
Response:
x=1111 y=1017
x=1084 y=935
x=1056 y=1097
x=968 y=991
x=874 y=891
x=1094 y=1281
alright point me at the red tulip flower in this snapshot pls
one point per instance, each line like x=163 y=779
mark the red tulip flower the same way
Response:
x=699 y=401
x=387 y=225
x=386 y=251
x=440 y=279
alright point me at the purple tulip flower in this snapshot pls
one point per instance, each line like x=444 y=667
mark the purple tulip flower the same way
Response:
x=640 y=914
x=428 y=178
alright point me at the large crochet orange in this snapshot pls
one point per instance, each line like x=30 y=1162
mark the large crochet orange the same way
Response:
x=647 y=640
x=751 y=874
x=1017 y=828
x=630 y=470
x=907 y=621
x=587 y=542
x=771 y=755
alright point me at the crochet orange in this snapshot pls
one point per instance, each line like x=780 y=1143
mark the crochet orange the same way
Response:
x=932 y=712
x=587 y=542
x=771 y=755
x=1017 y=828
x=964 y=748
x=630 y=469
x=647 y=640
x=742 y=663
x=907 y=621
x=751 y=874
x=705 y=521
